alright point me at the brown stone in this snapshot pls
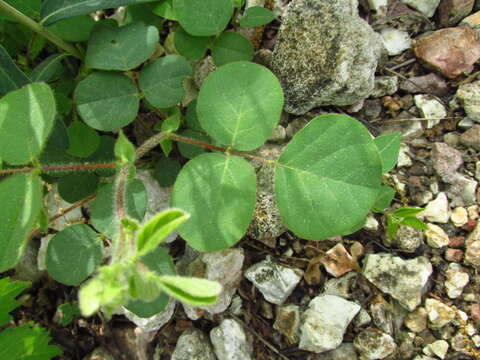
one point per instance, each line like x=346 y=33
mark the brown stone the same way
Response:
x=338 y=261
x=449 y=51
x=457 y=242
x=453 y=255
x=473 y=19
x=475 y=312
x=450 y=12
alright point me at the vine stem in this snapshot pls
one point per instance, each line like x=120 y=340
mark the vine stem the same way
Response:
x=55 y=168
x=39 y=29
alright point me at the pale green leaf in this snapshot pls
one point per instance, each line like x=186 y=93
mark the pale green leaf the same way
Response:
x=219 y=192
x=328 y=177
x=256 y=16
x=389 y=147
x=384 y=198
x=124 y=149
x=190 y=290
x=26 y=119
x=9 y=290
x=240 y=104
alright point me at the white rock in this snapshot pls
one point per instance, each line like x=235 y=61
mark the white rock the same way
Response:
x=402 y=279
x=42 y=253
x=437 y=210
x=154 y=322
x=438 y=313
x=466 y=123
x=456 y=279
x=431 y=109
x=438 y=348
x=476 y=340
x=395 y=41
x=193 y=344
x=325 y=322
x=459 y=216
x=472 y=212
x=436 y=237
x=275 y=282
x=403 y=157
x=371 y=223
x=230 y=341
x=426 y=7
x=380 y=6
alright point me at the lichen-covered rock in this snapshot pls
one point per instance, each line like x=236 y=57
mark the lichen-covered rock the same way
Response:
x=438 y=313
x=325 y=322
x=407 y=238
x=325 y=54
x=384 y=85
x=230 y=341
x=287 y=322
x=416 y=321
x=276 y=282
x=193 y=344
x=402 y=279
x=468 y=95
x=374 y=344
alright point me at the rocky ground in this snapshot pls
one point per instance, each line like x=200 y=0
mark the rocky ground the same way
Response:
x=399 y=65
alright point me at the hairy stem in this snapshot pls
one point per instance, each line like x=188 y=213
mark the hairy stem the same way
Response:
x=39 y=29
x=57 y=168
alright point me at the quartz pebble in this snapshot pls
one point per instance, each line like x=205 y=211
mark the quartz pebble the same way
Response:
x=430 y=109
x=437 y=210
x=438 y=313
x=456 y=279
x=438 y=348
x=395 y=41
x=459 y=216
x=416 y=321
x=436 y=236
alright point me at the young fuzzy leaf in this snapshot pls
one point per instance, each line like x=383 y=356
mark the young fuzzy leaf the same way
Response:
x=256 y=16
x=389 y=147
x=26 y=118
x=385 y=197
x=189 y=290
x=158 y=228
x=220 y=193
x=124 y=149
x=407 y=212
x=192 y=47
x=230 y=47
x=392 y=226
x=46 y=70
x=11 y=77
x=159 y=261
x=161 y=81
x=107 y=101
x=203 y=18
x=9 y=290
x=77 y=186
x=73 y=254
x=120 y=48
x=21 y=199
x=240 y=104
x=328 y=177
x=55 y=10
x=83 y=140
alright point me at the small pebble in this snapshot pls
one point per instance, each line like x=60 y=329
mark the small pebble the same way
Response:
x=453 y=255
x=459 y=216
x=395 y=41
x=436 y=236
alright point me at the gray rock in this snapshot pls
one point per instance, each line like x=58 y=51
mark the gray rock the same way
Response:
x=363 y=318
x=468 y=95
x=426 y=7
x=446 y=161
x=202 y=69
x=472 y=254
x=402 y=279
x=343 y=352
x=374 y=344
x=462 y=191
x=341 y=286
x=325 y=54
x=384 y=85
x=382 y=317
x=27 y=267
x=287 y=322
x=275 y=282
x=325 y=322
x=155 y=322
x=230 y=341
x=193 y=344
x=431 y=84
x=471 y=137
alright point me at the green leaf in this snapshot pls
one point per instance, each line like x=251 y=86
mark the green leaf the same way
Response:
x=414 y=222
x=68 y=311
x=77 y=186
x=392 y=226
x=35 y=46
x=165 y=9
x=107 y=101
x=30 y=8
x=84 y=141
x=220 y=193
x=191 y=117
x=192 y=47
x=389 y=147
x=120 y=48
x=328 y=177
x=166 y=171
x=11 y=77
x=190 y=290
x=26 y=118
x=73 y=254
x=27 y=342
x=102 y=209
x=158 y=228
x=55 y=10
x=9 y=290
x=240 y=104
x=203 y=18
x=385 y=197
x=256 y=16
x=230 y=47
x=160 y=262
x=21 y=199
x=407 y=212
x=46 y=70
x=161 y=81
x=189 y=150
x=73 y=29
x=124 y=149
x=104 y=153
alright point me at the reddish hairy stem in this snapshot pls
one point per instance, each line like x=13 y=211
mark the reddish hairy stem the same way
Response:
x=54 y=168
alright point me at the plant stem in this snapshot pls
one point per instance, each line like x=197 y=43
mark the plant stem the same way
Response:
x=39 y=29
x=57 y=168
